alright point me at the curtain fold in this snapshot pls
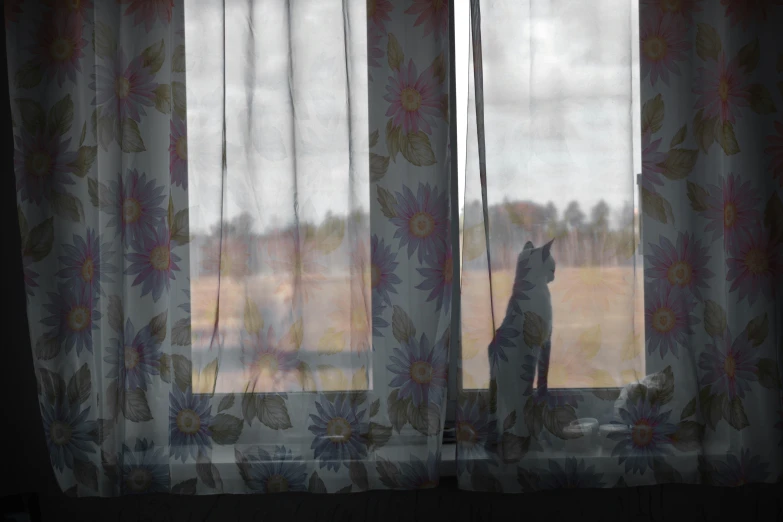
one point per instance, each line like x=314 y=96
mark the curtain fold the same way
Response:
x=712 y=226
x=651 y=353
x=235 y=220
x=104 y=225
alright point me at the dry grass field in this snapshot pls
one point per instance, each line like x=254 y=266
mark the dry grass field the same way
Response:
x=598 y=326
x=597 y=340
x=333 y=336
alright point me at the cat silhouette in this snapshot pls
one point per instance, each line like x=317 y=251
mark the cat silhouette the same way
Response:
x=518 y=353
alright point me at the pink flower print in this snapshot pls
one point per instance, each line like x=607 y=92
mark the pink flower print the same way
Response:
x=147 y=11
x=41 y=163
x=124 y=90
x=722 y=89
x=414 y=100
x=77 y=8
x=438 y=274
x=153 y=262
x=433 y=14
x=134 y=203
x=374 y=49
x=754 y=266
x=745 y=11
x=667 y=317
x=421 y=220
x=732 y=210
x=383 y=263
x=731 y=364
x=683 y=265
x=178 y=153
x=663 y=43
x=682 y=8
x=378 y=14
x=60 y=47
x=651 y=160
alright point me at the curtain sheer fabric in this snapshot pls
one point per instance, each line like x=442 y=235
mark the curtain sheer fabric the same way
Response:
x=236 y=255
x=662 y=368
x=237 y=244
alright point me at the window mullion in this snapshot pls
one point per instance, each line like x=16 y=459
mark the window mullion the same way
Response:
x=456 y=338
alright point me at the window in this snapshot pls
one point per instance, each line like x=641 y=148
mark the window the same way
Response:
x=557 y=124
x=268 y=259
x=556 y=115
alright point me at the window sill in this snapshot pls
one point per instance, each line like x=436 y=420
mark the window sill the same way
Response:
x=683 y=467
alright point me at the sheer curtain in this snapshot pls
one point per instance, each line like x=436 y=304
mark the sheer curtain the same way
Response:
x=235 y=220
x=594 y=355
x=319 y=300
x=237 y=242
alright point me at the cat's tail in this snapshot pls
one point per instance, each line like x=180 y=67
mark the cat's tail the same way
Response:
x=543 y=367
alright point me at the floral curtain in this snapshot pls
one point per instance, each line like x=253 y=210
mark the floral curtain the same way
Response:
x=104 y=230
x=236 y=253
x=657 y=358
x=711 y=131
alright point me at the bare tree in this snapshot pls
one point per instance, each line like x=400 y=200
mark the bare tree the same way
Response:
x=574 y=216
x=240 y=226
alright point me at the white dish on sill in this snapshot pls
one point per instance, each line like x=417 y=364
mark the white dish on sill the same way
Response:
x=582 y=435
x=605 y=430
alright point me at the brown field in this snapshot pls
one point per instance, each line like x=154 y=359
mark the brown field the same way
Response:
x=334 y=333
x=597 y=329
x=597 y=332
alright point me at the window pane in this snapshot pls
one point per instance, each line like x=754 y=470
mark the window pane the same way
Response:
x=561 y=101
x=280 y=241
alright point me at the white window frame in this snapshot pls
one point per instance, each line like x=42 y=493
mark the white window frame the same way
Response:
x=600 y=408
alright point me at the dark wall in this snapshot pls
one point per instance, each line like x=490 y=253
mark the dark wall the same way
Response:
x=22 y=432
x=25 y=468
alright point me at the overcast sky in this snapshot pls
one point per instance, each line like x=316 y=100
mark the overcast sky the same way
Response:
x=561 y=100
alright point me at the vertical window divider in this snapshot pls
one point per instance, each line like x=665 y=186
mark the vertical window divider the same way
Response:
x=455 y=344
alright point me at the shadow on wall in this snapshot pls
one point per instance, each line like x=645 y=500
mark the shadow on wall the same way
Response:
x=26 y=466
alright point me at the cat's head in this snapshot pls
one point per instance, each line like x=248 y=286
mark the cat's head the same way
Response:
x=538 y=261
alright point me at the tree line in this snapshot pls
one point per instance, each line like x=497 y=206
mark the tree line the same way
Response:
x=600 y=236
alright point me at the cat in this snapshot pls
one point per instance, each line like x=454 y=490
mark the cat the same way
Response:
x=516 y=367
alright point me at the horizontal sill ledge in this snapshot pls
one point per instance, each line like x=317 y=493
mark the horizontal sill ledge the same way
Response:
x=224 y=456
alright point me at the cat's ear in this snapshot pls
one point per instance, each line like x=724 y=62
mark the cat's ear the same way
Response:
x=545 y=250
x=528 y=246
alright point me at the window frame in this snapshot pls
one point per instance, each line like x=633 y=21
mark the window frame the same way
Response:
x=605 y=395
x=454 y=384
x=454 y=381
